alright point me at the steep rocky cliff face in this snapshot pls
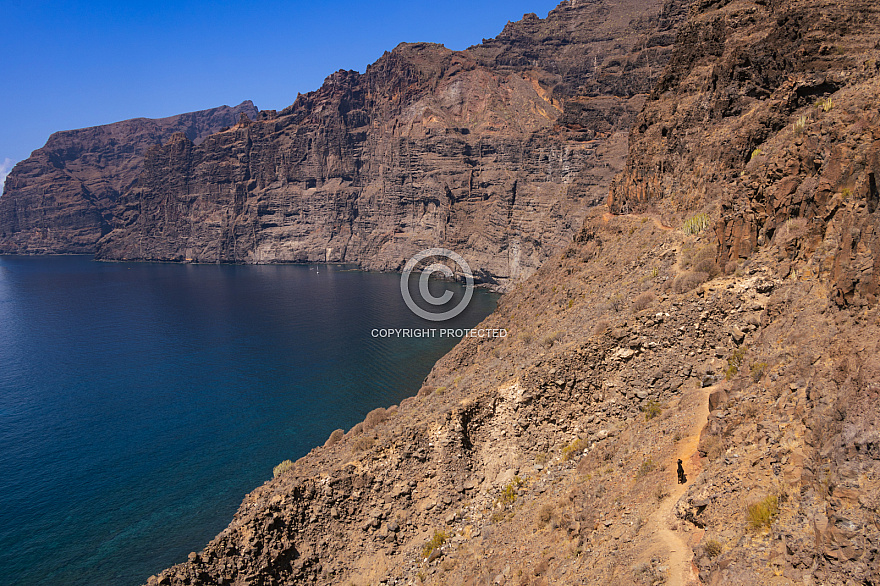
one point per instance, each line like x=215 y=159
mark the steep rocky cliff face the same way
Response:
x=61 y=199
x=767 y=117
x=494 y=152
x=742 y=343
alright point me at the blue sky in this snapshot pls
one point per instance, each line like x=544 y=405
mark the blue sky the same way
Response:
x=74 y=64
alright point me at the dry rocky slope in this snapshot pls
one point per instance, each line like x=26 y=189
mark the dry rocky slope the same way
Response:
x=61 y=199
x=747 y=345
x=494 y=152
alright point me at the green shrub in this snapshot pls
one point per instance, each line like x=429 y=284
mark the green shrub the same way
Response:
x=695 y=224
x=734 y=362
x=762 y=514
x=508 y=492
x=757 y=369
x=756 y=153
x=437 y=541
x=281 y=468
x=651 y=409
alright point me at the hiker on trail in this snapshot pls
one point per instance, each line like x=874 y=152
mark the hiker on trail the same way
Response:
x=681 y=475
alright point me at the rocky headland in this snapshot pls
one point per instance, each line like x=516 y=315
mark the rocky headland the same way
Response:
x=62 y=199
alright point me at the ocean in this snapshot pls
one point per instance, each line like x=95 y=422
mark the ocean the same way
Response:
x=139 y=402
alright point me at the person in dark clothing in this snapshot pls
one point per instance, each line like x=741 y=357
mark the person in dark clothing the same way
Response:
x=682 y=478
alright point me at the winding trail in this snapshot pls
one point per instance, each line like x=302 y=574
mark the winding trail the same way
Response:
x=660 y=524
x=657 y=222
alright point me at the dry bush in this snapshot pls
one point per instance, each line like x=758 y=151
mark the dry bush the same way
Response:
x=712 y=548
x=646 y=468
x=281 y=468
x=700 y=257
x=689 y=280
x=651 y=409
x=435 y=542
x=643 y=301
x=548 y=341
x=730 y=267
x=572 y=450
x=647 y=573
x=602 y=326
x=545 y=515
x=334 y=438
x=425 y=391
x=660 y=493
x=362 y=442
x=357 y=429
x=793 y=228
x=708 y=266
x=758 y=369
x=374 y=418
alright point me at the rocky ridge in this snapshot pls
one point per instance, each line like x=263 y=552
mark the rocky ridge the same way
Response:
x=62 y=199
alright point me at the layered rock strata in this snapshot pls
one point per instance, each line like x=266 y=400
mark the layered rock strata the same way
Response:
x=62 y=198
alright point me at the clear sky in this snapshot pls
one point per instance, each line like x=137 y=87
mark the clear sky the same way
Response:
x=75 y=64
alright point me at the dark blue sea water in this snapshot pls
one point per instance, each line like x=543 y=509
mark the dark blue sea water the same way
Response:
x=140 y=402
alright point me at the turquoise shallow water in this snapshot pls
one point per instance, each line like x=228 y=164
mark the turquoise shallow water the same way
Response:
x=140 y=402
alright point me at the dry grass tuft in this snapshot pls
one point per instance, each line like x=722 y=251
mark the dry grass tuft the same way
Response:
x=763 y=513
